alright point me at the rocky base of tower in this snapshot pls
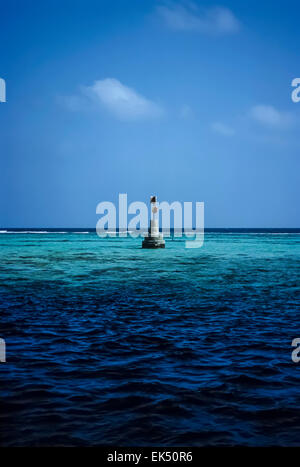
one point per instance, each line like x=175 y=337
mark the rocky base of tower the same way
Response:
x=153 y=242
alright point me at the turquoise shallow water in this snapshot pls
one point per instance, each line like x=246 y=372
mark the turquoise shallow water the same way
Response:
x=111 y=344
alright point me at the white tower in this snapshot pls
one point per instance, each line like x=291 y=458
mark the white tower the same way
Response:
x=154 y=227
x=155 y=238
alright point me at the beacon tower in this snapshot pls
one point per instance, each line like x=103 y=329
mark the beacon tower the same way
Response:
x=154 y=238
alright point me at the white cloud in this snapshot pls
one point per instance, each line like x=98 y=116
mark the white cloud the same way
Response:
x=186 y=112
x=268 y=116
x=215 y=20
x=222 y=129
x=74 y=103
x=121 y=101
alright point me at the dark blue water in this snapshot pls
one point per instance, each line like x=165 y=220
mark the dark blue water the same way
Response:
x=111 y=344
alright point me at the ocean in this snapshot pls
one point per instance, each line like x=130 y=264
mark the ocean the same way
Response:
x=110 y=344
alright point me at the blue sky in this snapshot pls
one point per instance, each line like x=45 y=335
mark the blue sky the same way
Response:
x=187 y=100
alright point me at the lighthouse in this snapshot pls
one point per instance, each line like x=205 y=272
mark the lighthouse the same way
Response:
x=154 y=238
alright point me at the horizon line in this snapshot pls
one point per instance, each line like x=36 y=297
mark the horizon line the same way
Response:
x=171 y=228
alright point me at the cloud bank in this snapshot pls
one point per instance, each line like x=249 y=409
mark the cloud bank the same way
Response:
x=186 y=112
x=189 y=17
x=122 y=101
x=269 y=116
x=222 y=129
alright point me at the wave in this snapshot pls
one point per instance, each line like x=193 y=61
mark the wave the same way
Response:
x=40 y=232
x=252 y=233
x=30 y=232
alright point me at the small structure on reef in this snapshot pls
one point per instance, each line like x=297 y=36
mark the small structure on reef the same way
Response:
x=155 y=238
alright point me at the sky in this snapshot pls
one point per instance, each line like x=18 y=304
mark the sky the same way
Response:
x=188 y=100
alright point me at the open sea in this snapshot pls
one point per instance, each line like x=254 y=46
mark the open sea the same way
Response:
x=110 y=344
